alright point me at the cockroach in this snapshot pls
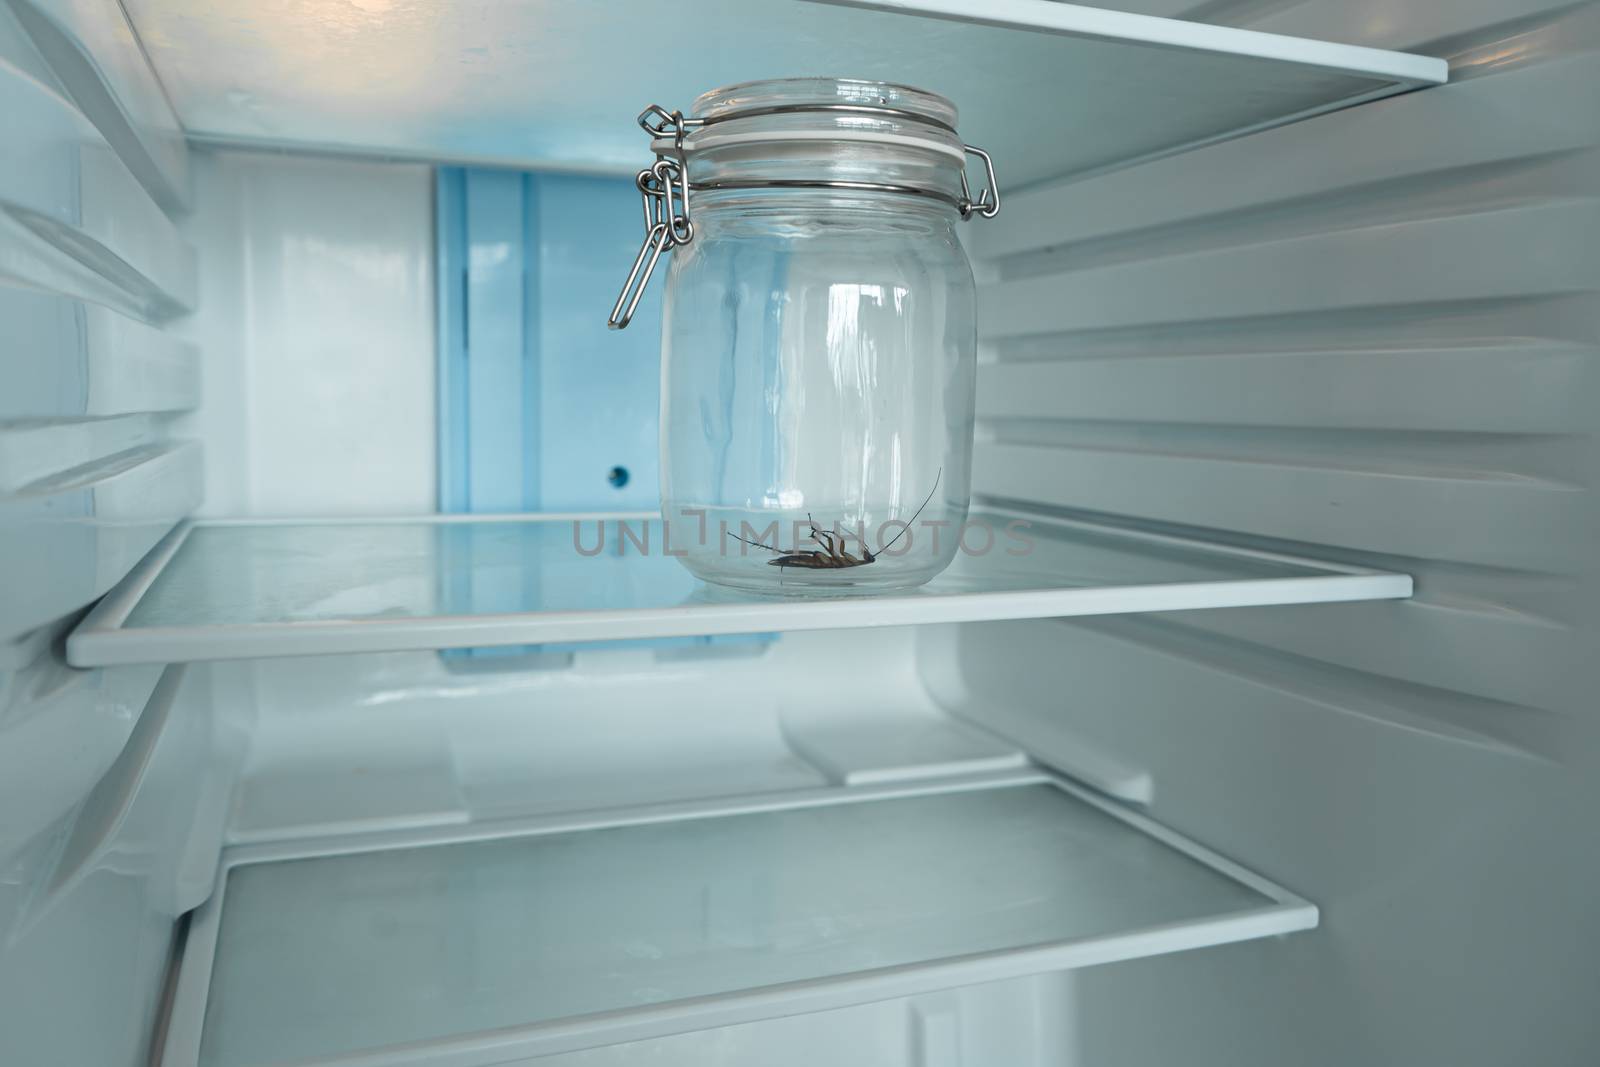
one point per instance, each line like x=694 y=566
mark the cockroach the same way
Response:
x=832 y=554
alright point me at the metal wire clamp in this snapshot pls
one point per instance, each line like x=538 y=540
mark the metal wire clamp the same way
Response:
x=664 y=192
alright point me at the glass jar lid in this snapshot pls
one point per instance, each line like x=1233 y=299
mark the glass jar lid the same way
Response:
x=841 y=134
x=833 y=133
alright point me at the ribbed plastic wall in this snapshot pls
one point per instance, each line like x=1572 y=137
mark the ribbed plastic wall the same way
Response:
x=91 y=270
x=1370 y=337
x=99 y=787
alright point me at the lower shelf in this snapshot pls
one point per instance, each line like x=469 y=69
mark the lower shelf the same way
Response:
x=471 y=946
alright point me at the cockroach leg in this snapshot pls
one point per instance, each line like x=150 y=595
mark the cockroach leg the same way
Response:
x=822 y=537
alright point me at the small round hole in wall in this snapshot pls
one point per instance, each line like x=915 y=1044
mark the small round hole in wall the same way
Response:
x=618 y=477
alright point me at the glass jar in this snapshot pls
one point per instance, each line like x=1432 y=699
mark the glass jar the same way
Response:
x=818 y=335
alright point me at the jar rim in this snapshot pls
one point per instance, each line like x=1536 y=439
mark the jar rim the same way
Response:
x=751 y=98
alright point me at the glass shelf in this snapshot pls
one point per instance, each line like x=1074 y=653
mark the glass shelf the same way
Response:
x=235 y=590
x=526 y=942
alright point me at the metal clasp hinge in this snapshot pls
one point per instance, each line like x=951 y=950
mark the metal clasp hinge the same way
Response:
x=664 y=193
x=988 y=202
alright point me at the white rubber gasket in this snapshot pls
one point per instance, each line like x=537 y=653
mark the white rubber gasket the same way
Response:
x=712 y=139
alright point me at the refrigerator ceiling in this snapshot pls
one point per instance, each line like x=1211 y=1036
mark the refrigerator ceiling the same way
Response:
x=543 y=83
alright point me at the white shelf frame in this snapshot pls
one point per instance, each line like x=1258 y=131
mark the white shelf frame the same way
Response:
x=1408 y=70
x=102 y=640
x=1286 y=913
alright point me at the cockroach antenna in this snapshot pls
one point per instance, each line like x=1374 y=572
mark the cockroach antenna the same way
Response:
x=752 y=544
x=914 y=518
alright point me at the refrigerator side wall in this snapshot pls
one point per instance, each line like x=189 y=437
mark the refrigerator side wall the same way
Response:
x=1370 y=337
x=102 y=773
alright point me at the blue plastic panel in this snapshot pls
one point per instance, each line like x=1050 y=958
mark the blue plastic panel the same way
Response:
x=541 y=407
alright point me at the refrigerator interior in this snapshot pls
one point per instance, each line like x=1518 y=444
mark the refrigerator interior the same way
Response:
x=1332 y=818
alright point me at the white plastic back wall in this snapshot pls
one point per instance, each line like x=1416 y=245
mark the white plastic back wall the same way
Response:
x=440 y=742
x=1018 y=1023
x=316 y=324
